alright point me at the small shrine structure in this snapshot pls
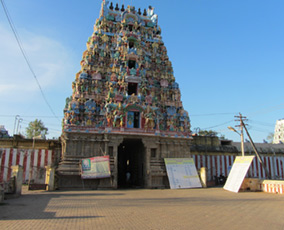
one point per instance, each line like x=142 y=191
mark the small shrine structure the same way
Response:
x=125 y=103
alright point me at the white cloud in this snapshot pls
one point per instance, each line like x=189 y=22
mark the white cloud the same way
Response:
x=49 y=59
x=53 y=64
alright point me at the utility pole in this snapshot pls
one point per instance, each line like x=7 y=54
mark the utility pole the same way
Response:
x=241 y=118
x=243 y=126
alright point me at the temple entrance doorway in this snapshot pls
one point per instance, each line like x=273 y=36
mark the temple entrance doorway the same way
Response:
x=131 y=164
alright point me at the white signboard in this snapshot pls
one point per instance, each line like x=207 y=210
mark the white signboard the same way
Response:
x=182 y=173
x=238 y=173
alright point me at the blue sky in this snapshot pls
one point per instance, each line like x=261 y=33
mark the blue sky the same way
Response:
x=227 y=56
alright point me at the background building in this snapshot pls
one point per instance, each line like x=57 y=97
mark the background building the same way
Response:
x=279 y=132
x=3 y=132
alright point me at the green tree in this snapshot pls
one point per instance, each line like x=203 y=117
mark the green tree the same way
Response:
x=210 y=133
x=36 y=128
x=270 y=137
x=207 y=133
x=222 y=137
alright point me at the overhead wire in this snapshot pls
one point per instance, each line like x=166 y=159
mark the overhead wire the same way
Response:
x=210 y=114
x=51 y=128
x=227 y=122
x=268 y=109
x=261 y=130
x=24 y=55
x=30 y=116
x=260 y=123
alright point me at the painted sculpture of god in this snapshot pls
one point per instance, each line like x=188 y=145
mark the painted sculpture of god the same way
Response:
x=154 y=17
x=86 y=165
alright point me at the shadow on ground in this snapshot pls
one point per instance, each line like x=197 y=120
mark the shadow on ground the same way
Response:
x=36 y=204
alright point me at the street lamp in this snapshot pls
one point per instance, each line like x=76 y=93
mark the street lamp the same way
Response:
x=242 y=138
x=19 y=121
x=16 y=118
x=233 y=129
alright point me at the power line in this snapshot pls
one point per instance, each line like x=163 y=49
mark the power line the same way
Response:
x=209 y=114
x=31 y=116
x=24 y=54
x=268 y=109
x=219 y=125
x=261 y=130
x=260 y=123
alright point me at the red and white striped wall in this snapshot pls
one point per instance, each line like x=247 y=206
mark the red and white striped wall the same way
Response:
x=221 y=164
x=35 y=159
x=273 y=187
x=273 y=164
x=216 y=164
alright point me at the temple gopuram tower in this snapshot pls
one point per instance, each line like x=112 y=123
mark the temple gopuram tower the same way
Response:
x=125 y=103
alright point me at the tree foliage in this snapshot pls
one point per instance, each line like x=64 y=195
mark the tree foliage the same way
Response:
x=207 y=133
x=36 y=128
x=270 y=137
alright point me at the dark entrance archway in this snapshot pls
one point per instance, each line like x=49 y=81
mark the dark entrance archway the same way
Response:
x=131 y=163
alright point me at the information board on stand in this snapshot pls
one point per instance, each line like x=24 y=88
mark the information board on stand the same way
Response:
x=182 y=173
x=95 y=167
x=238 y=173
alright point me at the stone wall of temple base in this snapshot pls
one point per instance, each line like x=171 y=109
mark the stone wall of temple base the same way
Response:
x=136 y=161
x=75 y=182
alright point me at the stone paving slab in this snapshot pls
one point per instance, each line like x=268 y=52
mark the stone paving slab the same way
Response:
x=211 y=208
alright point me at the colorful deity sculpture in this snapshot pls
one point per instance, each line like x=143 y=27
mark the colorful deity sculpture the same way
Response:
x=126 y=79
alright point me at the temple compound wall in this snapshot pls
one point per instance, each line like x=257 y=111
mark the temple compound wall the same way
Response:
x=140 y=155
x=217 y=156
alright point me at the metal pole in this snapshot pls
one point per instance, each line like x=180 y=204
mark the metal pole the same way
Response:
x=16 y=118
x=19 y=121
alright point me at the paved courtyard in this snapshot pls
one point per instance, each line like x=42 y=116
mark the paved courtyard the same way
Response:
x=211 y=208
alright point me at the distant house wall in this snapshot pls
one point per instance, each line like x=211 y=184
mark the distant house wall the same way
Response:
x=21 y=152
